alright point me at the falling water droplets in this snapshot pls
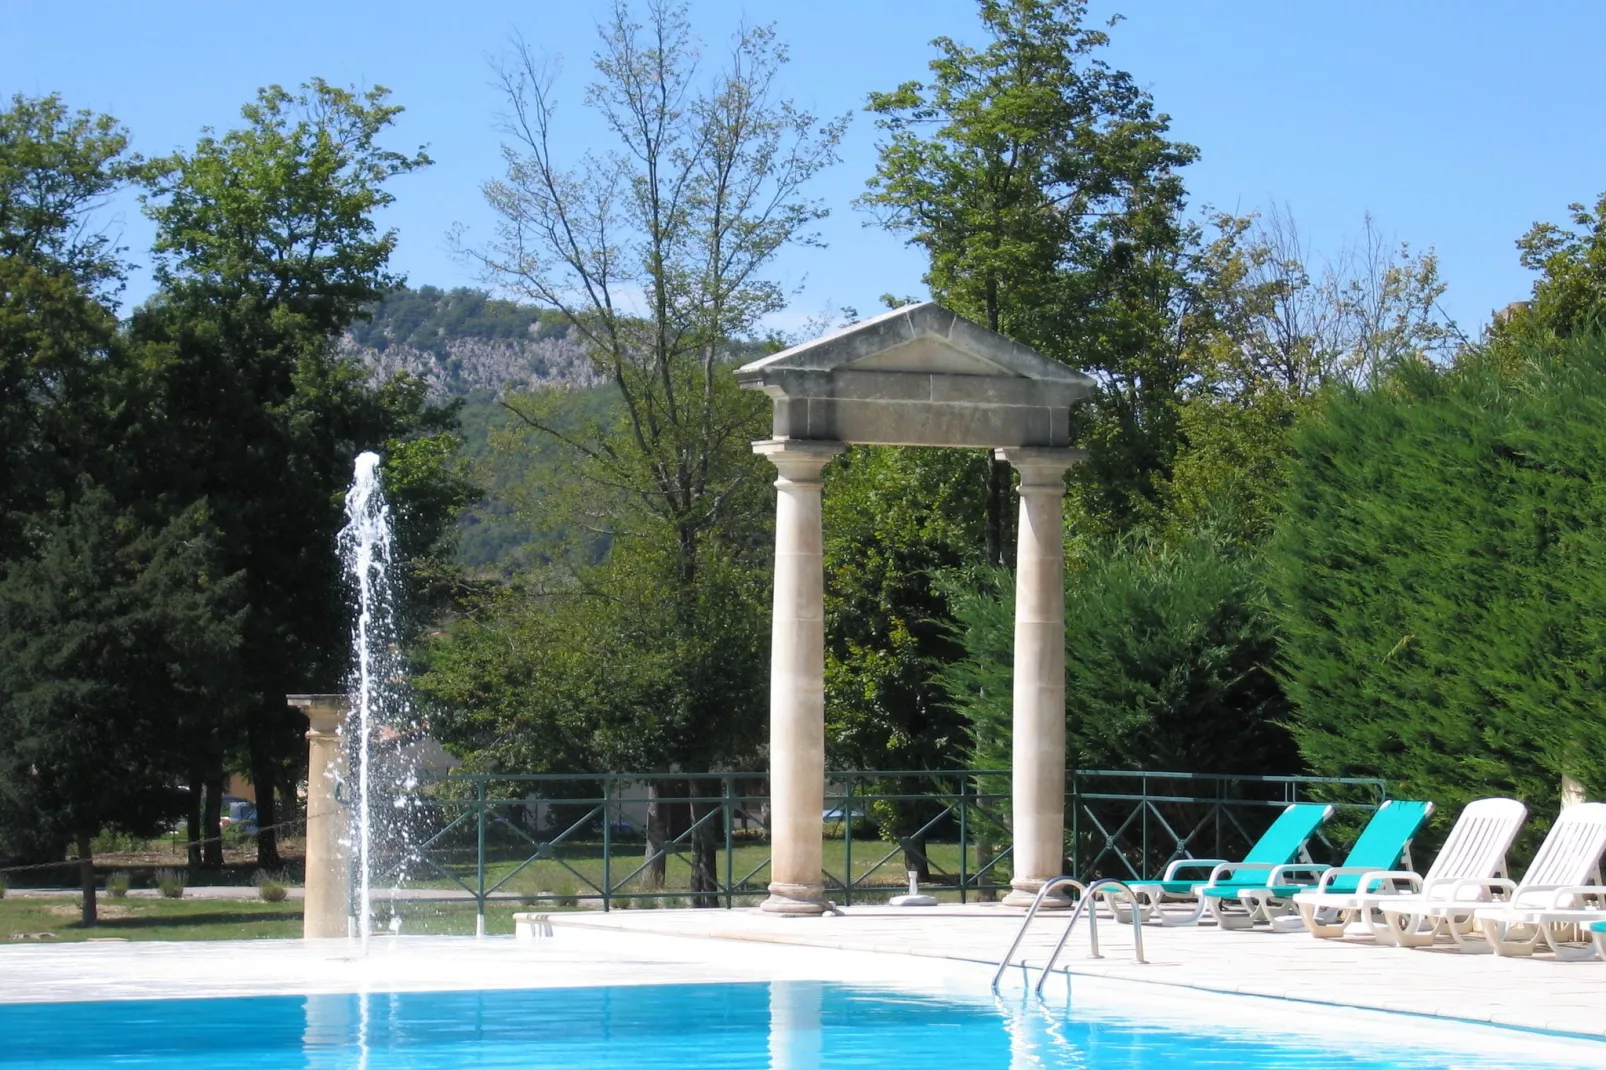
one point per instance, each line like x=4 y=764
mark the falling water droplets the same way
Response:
x=379 y=720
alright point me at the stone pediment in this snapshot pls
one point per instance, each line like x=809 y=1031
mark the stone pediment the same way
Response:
x=918 y=376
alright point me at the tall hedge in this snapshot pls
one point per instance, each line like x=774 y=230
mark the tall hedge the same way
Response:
x=1169 y=652
x=1440 y=577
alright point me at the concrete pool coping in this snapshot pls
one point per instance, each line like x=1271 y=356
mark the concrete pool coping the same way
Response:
x=1533 y=993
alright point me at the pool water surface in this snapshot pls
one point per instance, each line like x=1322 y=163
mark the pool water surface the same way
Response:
x=780 y=1025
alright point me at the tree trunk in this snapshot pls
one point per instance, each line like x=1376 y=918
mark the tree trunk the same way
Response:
x=259 y=736
x=193 y=822
x=704 y=854
x=86 y=878
x=666 y=819
x=1000 y=546
x=212 y=822
x=914 y=857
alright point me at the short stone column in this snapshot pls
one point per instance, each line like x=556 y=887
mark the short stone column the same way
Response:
x=797 y=678
x=1038 y=727
x=327 y=908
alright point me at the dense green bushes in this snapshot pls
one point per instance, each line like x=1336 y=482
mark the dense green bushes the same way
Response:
x=1168 y=654
x=1441 y=575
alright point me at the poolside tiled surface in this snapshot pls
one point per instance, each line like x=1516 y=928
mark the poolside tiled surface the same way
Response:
x=1533 y=993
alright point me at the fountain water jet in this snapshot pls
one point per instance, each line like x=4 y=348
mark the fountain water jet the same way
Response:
x=379 y=707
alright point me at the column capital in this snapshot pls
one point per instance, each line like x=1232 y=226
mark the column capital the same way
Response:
x=798 y=460
x=324 y=712
x=1041 y=467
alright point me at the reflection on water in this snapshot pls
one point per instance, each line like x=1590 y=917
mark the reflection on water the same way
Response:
x=805 y=1025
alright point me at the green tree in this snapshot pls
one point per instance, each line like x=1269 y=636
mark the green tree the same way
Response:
x=1437 y=573
x=1169 y=651
x=116 y=639
x=267 y=248
x=1043 y=186
x=1569 y=296
x=57 y=267
x=657 y=254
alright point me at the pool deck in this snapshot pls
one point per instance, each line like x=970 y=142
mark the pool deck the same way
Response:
x=1532 y=993
x=938 y=950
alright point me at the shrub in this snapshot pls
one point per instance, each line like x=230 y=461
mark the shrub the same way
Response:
x=1169 y=658
x=270 y=888
x=170 y=882
x=117 y=885
x=1440 y=574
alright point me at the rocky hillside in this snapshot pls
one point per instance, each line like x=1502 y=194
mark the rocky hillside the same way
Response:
x=464 y=341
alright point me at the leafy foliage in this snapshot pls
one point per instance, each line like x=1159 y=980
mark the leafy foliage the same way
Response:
x=116 y=638
x=430 y=318
x=1438 y=575
x=1168 y=650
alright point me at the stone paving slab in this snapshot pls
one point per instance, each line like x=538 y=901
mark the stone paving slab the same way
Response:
x=1532 y=993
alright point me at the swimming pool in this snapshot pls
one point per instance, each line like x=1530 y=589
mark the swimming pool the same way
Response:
x=779 y=1025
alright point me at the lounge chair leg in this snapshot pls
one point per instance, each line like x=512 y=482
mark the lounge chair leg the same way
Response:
x=1325 y=930
x=1189 y=917
x=1467 y=937
x=1405 y=930
x=1218 y=910
x=1557 y=935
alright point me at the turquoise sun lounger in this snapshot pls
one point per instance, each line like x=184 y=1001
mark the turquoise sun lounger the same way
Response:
x=1279 y=845
x=1267 y=894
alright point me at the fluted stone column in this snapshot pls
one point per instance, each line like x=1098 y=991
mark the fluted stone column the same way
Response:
x=1038 y=814
x=327 y=908
x=797 y=678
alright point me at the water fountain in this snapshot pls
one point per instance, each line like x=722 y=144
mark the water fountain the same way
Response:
x=379 y=711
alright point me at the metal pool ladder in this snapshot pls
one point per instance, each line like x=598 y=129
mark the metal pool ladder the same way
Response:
x=1083 y=903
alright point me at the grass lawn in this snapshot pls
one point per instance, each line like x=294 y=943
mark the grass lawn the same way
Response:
x=213 y=919
x=577 y=869
x=146 y=919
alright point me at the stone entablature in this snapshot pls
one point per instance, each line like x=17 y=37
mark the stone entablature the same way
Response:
x=918 y=376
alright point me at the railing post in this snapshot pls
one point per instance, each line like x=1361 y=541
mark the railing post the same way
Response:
x=964 y=839
x=847 y=846
x=479 y=866
x=730 y=842
x=607 y=842
x=1076 y=823
x=1143 y=864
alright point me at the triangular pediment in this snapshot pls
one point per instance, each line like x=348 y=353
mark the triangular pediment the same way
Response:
x=923 y=339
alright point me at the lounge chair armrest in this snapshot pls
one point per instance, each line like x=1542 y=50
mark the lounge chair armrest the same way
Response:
x=1191 y=863
x=1373 y=880
x=1235 y=868
x=1560 y=893
x=1366 y=873
x=1280 y=873
x=1481 y=885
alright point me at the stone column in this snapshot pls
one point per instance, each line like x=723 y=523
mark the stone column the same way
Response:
x=1038 y=731
x=327 y=909
x=797 y=678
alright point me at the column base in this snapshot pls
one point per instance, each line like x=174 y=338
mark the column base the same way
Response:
x=1023 y=893
x=795 y=900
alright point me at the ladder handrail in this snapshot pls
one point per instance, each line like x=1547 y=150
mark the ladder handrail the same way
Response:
x=1090 y=896
x=1087 y=896
x=1031 y=912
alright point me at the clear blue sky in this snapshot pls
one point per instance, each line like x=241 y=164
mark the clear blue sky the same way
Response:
x=1456 y=125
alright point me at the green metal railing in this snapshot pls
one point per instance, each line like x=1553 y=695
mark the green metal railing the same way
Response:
x=554 y=840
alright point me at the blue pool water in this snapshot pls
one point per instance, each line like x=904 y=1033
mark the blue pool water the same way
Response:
x=774 y=1026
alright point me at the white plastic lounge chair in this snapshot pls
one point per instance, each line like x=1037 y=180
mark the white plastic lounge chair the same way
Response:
x=1560 y=896
x=1598 y=931
x=1557 y=880
x=1476 y=847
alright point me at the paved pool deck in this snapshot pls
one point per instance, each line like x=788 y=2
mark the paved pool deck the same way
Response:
x=1538 y=992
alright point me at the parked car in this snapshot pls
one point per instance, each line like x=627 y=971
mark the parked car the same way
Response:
x=236 y=811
